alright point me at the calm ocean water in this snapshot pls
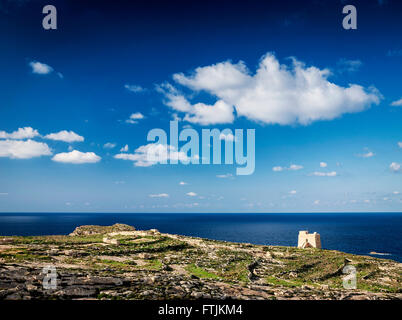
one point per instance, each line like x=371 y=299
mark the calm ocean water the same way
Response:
x=358 y=233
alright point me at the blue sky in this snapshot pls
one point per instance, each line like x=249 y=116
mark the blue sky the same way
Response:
x=320 y=146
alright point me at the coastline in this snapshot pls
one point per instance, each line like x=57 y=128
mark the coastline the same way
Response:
x=147 y=264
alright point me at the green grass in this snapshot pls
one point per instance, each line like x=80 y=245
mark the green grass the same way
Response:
x=284 y=283
x=23 y=254
x=65 y=240
x=200 y=272
x=113 y=263
x=154 y=264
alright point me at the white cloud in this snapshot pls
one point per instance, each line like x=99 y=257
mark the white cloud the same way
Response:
x=159 y=195
x=396 y=167
x=21 y=133
x=109 y=145
x=40 y=68
x=191 y=194
x=367 y=155
x=316 y=202
x=324 y=174
x=200 y=113
x=275 y=94
x=134 y=88
x=400 y=144
x=292 y=167
x=64 y=135
x=323 y=164
x=3 y=193
x=292 y=192
x=124 y=149
x=227 y=137
x=396 y=192
x=203 y=114
x=17 y=149
x=152 y=154
x=76 y=157
x=224 y=176
x=397 y=103
x=182 y=183
x=295 y=167
x=135 y=117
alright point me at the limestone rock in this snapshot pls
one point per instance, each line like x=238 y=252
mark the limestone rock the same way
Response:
x=92 y=230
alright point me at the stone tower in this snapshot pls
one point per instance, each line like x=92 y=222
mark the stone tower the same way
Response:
x=307 y=240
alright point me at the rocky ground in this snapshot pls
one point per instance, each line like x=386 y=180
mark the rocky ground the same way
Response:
x=119 y=262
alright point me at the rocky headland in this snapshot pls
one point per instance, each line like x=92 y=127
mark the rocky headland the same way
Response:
x=119 y=262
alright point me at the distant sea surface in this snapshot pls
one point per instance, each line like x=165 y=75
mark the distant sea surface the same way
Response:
x=358 y=233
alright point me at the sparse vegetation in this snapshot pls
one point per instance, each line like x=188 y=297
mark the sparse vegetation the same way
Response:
x=200 y=272
x=147 y=264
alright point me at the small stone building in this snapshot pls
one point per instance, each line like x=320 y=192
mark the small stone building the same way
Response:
x=309 y=240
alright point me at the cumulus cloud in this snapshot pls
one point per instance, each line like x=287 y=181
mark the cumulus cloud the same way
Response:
x=316 y=202
x=40 y=68
x=21 y=133
x=182 y=183
x=191 y=194
x=400 y=144
x=292 y=167
x=324 y=174
x=134 y=117
x=134 y=88
x=21 y=149
x=397 y=103
x=109 y=145
x=76 y=157
x=395 y=167
x=292 y=192
x=275 y=94
x=66 y=136
x=323 y=164
x=124 y=149
x=200 y=113
x=152 y=154
x=159 y=195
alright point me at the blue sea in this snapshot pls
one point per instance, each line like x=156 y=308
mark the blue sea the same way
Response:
x=358 y=233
